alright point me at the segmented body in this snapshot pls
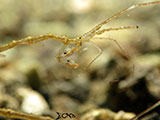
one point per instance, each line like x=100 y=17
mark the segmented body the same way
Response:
x=67 y=50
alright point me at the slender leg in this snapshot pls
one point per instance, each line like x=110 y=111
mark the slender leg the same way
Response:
x=126 y=56
x=100 y=52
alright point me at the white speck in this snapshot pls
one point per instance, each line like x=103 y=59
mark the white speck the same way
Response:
x=133 y=6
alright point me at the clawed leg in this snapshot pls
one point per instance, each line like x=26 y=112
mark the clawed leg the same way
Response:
x=117 y=43
x=99 y=53
x=63 y=55
x=106 y=30
x=126 y=56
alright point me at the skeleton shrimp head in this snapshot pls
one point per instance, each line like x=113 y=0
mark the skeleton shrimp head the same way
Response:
x=65 y=52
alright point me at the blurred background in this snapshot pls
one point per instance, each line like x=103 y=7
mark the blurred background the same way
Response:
x=32 y=73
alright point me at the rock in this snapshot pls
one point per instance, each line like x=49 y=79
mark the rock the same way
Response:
x=32 y=101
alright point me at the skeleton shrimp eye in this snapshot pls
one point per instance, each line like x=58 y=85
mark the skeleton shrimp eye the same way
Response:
x=67 y=51
x=68 y=61
x=72 y=63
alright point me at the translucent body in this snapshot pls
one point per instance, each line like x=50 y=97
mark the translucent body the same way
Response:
x=66 y=51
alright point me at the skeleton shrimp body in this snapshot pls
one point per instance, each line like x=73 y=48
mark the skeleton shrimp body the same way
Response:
x=72 y=46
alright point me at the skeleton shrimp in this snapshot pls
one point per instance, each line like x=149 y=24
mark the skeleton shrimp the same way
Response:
x=72 y=46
